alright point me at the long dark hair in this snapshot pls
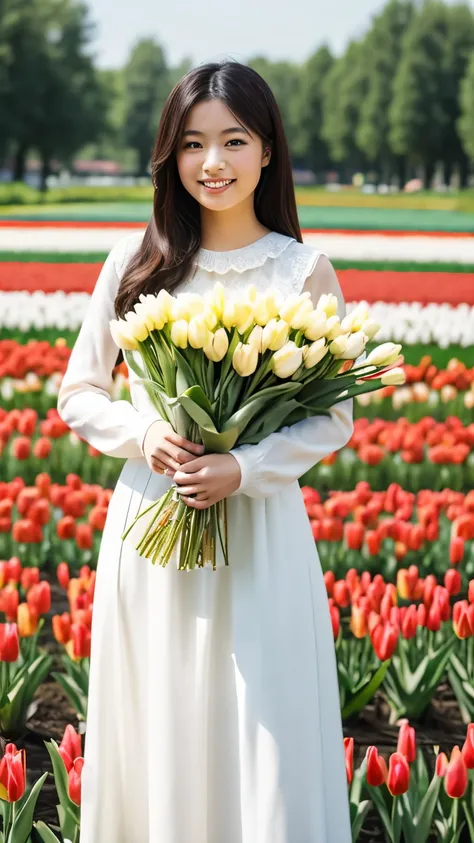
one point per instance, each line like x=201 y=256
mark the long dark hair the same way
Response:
x=173 y=235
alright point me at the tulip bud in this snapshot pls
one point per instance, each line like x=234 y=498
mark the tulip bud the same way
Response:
x=137 y=327
x=141 y=310
x=370 y=329
x=185 y=306
x=338 y=346
x=237 y=314
x=355 y=345
x=394 y=377
x=441 y=764
x=70 y=747
x=198 y=332
x=62 y=573
x=407 y=741
x=217 y=346
x=398 y=778
x=383 y=355
x=12 y=774
x=453 y=581
x=296 y=309
x=266 y=307
x=358 y=623
x=62 y=627
x=335 y=620
x=349 y=755
x=179 y=333
x=328 y=303
x=468 y=748
x=74 y=781
x=354 y=320
x=245 y=359
x=376 y=771
x=9 y=642
x=217 y=300
x=316 y=325
x=333 y=328
x=456 y=779
x=275 y=335
x=314 y=353
x=255 y=338
x=287 y=360
x=27 y=620
x=122 y=335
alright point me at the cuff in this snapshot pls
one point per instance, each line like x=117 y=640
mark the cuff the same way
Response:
x=246 y=464
x=143 y=426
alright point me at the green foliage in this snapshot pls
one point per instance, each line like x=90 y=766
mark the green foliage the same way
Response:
x=309 y=144
x=146 y=86
x=345 y=87
x=466 y=122
x=283 y=78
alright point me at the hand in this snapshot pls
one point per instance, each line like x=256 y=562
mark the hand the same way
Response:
x=165 y=451
x=210 y=478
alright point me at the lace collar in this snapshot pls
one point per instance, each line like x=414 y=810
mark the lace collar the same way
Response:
x=271 y=245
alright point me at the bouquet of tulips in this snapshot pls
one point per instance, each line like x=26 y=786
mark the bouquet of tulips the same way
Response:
x=226 y=371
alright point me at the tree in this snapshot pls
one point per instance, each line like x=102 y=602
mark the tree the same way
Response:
x=284 y=79
x=459 y=49
x=344 y=90
x=382 y=52
x=466 y=121
x=310 y=146
x=147 y=83
x=418 y=116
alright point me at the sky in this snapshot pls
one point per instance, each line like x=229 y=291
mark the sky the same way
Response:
x=209 y=30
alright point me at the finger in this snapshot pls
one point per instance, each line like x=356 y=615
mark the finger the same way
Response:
x=181 y=456
x=195 y=504
x=193 y=467
x=183 y=443
x=184 y=479
x=166 y=460
x=188 y=490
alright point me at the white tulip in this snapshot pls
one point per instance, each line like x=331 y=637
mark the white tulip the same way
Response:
x=394 y=377
x=122 y=335
x=314 y=353
x=356 y=344
x=384 y=354
x=287 y=360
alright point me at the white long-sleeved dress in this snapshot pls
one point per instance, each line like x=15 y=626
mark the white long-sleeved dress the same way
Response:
x=213 y=708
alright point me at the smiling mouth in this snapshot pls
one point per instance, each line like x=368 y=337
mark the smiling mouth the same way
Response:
x=217 y=184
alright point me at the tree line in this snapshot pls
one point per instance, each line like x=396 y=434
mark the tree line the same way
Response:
x=399 y=99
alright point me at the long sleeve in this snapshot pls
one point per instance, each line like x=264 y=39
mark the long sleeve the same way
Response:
x=115 y=428
x=284 y=457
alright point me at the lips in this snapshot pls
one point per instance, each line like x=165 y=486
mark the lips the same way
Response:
x=211 y=184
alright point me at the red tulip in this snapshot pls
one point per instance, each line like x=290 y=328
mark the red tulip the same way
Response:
x=97 y=517
x=14 y=569
x=9 y=602
x=335 y=620
x=398 y=778
x=12 y=774
x=70 y=747
x=27 y=532
x=349 y=754
x=74 y=780
x=40 y=512
x=81 y=640
x=329 y=580
x=409 y=622
x=29 y=578
x=384 y=640
x=21 y=448
x=456 y=550
x=461 y=621
x=441 y=764
x=341 y=593
x=42 y=448
x=453 y=581
x=376 y=772
x=455 y=780
x=39 y=598
x=62 y=627
x=359 y=627
x=84 y=536
x=66 y=527
x=468 y=748
x=62 y=573
x=407 y=741
x=9 y=642
x=354 y=535
x=373 y=542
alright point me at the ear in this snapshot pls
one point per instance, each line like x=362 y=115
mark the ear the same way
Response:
x=266 y=156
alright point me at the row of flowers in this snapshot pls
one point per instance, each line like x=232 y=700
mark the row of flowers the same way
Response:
x=378 y=531
x=418 y=455
x=410 y=323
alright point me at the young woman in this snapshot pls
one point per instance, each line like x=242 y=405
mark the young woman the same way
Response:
x=213 y=709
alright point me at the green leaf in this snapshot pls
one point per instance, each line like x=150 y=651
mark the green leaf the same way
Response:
x=22 y=824
x=47 y=836
x=76 y=695
x=379 y=803
x=360 y=700
x=424 y=816
x=71 y=811
x=357 y=818
x=133 y=365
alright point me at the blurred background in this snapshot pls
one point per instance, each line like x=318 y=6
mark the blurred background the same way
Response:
x=378 y=104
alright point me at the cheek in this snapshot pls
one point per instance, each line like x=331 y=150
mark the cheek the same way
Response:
x=186 y=168
x=250 y=164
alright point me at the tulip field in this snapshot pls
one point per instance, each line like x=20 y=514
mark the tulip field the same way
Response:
x=392 y=515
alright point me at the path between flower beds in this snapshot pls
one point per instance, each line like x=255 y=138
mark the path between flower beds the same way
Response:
x=369 y=285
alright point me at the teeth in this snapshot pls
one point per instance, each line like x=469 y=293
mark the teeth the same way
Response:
x=217 y=183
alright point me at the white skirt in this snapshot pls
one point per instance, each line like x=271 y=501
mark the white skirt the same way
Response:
x=213 y=706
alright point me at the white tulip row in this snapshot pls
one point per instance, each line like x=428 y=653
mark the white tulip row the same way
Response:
x=406 y=323
x=348 y=246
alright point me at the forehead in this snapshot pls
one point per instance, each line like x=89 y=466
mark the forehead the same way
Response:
x=211 y=117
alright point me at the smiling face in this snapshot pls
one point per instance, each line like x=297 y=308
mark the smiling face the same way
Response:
x=219 y=160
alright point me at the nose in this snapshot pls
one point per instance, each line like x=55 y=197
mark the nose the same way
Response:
x=213 y=160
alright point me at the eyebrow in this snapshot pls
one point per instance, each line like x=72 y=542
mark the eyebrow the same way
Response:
x=224 y=132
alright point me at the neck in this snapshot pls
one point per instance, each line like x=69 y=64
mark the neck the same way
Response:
x=223 y=231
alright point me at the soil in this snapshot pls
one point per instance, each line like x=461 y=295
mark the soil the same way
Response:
x=442 y=725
